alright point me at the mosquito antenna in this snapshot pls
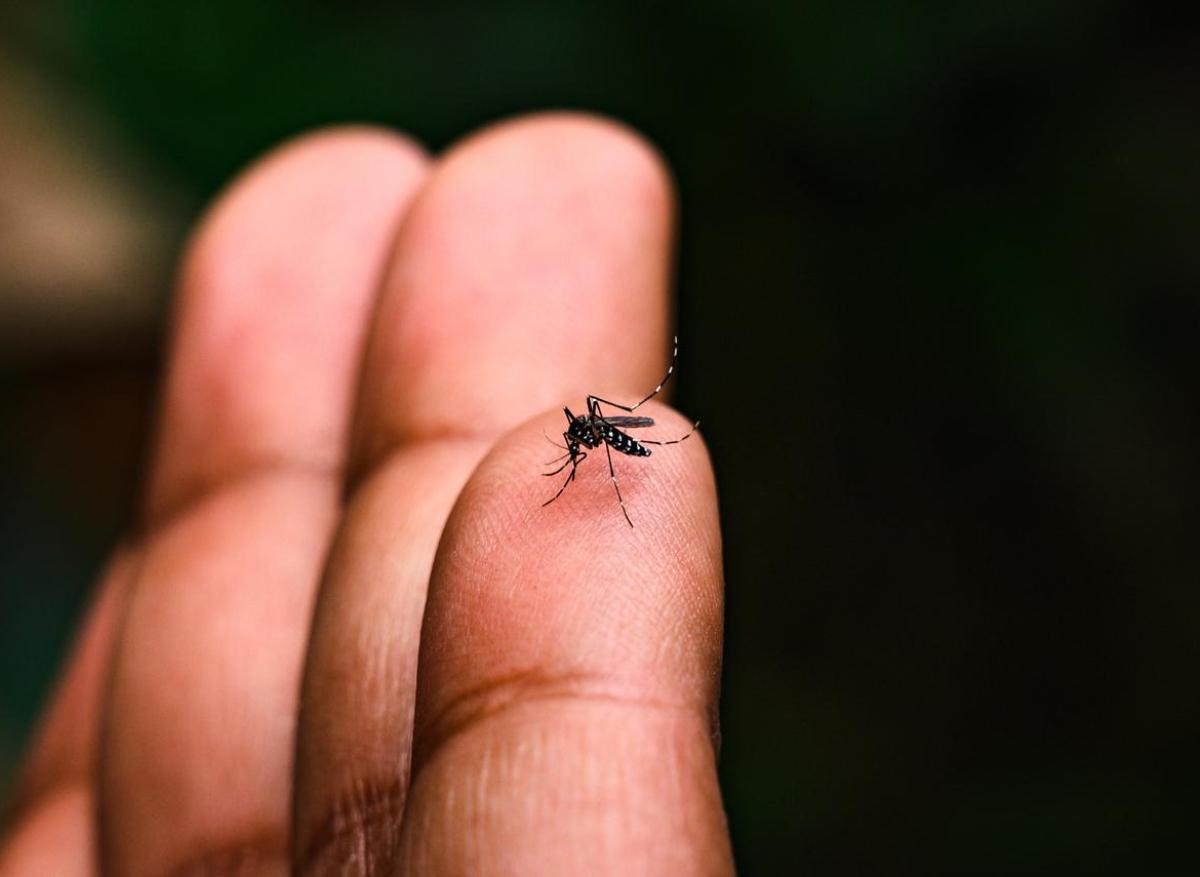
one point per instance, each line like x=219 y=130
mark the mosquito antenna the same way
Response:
x=556 y=444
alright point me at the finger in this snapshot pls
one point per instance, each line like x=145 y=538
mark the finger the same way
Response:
x=275 y=297
x=273 y=300
x=569 y=670
x=532 y=266
x=55 y=836
x=536 y=261
x=51 y=819
x=64 y=745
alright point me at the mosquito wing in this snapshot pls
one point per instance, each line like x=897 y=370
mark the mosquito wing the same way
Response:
x=626 y=422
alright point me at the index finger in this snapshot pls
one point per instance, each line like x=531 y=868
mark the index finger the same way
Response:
x=569 y=669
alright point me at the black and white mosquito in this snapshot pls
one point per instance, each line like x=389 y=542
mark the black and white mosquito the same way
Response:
x=595 y=428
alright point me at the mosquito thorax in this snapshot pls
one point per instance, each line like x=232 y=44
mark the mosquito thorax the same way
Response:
x=581 y=431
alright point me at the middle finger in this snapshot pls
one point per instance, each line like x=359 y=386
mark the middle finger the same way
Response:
x=533 y=264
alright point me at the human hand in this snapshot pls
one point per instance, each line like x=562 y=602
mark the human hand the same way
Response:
x=347 y=637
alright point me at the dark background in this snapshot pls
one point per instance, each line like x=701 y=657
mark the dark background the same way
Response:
x=938 y=298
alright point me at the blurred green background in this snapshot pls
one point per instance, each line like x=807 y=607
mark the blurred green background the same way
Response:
x=939 y=296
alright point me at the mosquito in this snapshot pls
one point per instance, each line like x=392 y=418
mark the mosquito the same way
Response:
x=595 y=428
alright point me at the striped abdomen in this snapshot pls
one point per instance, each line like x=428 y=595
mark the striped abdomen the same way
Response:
x=620 y=442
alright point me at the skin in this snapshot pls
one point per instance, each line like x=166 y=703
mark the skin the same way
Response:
x=346 y=638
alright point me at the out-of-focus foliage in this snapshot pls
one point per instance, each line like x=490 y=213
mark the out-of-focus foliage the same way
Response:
x=953 y=247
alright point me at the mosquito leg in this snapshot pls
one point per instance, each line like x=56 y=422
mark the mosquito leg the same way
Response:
x=559 y=469
x=695 y=427
x=572 y=452
x=594 y=401
x=570 y=477
x=574 y=464
x=613 y=474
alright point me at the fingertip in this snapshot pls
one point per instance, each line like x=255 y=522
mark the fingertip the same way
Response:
x=570 y=587
x=274 y=296
x=670 y=494
x=569 y=668
x=598 y=144
x=349 y=162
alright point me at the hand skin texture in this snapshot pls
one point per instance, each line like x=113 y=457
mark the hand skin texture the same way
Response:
x=346 y=637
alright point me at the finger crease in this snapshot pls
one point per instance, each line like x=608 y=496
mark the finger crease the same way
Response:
x=504 y=694
x=258 y=470
x=361 y=833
